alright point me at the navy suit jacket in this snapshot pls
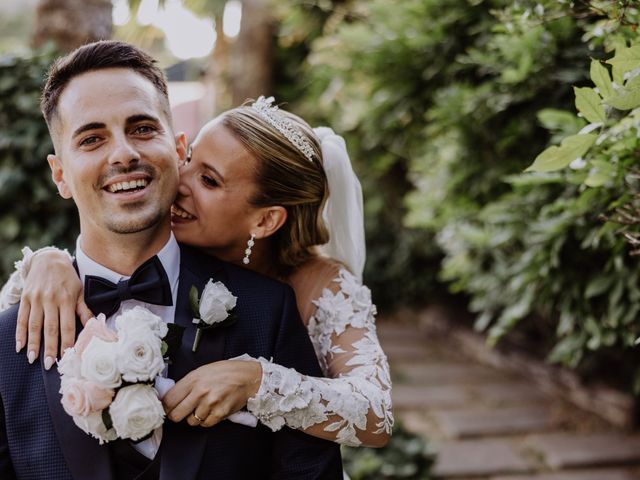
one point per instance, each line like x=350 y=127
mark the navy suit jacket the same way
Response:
x=39 y=441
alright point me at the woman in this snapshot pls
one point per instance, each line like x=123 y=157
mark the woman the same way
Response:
x=253 y=191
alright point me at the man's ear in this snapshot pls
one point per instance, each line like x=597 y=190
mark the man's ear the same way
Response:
x=57 y=174
x=270 y=220
x=181 y=147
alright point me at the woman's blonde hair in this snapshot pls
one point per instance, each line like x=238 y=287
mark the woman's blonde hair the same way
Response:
x=285 y=177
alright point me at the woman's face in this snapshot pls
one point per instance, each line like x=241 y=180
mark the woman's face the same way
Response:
x=212 y=209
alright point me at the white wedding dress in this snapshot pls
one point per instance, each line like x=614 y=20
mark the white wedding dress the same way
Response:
x=351 y=405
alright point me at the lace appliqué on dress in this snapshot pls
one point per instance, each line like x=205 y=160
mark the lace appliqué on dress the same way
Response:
x=361 y=387
x=12 y=290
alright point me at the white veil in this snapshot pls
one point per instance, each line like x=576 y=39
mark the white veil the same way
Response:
x=343 y=212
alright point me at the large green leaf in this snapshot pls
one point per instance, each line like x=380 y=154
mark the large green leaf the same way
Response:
x=589 y=104
x=625 y=99
x=601 y=78
x=596 y=178
x=555 y=158
x=625 y=60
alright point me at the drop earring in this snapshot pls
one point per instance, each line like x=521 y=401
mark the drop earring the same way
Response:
x=247 y=252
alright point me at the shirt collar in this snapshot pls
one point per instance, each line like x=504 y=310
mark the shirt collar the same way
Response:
x=169 y=256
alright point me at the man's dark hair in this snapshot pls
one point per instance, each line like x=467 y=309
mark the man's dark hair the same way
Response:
x=97 y=56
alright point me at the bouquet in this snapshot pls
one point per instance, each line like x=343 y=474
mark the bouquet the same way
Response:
x=107 y=377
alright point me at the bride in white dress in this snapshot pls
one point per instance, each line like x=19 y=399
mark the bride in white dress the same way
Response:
x=259 y=188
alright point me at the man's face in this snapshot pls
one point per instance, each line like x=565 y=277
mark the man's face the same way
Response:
x=116 y=155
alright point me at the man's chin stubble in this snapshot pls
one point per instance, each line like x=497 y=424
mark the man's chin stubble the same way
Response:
x=133 y=226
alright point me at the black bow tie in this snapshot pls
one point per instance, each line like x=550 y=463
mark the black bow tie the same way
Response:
x=149 y=284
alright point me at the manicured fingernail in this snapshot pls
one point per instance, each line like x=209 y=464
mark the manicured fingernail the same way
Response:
x=48 y=362
x=18 y=346
x=31 y=356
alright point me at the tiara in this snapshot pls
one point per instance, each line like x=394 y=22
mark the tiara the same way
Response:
x=270 y=113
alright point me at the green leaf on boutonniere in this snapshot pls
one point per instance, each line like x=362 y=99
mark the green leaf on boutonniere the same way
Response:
x=106 y=419
x=194 y=301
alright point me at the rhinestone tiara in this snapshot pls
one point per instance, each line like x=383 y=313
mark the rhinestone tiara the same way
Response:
x=269 y=112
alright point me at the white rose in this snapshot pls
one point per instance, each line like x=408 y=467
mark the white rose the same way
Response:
x=140 y=356
x=99 y=363
x=69 y=364
x=130 y=321
x=215 y=303
x=136 y=411
x=94 y=426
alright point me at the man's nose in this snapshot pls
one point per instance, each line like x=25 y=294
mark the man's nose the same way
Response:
x=124 y=152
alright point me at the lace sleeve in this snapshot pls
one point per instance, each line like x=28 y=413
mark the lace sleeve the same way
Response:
x=12 y=290
x=353 y=405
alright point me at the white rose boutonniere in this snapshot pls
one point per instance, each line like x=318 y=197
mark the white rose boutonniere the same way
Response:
x=213 y=309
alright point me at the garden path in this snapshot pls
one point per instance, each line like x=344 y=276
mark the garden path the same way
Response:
x=489 y=423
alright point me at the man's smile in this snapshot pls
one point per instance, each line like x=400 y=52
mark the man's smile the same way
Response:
x=127 y=184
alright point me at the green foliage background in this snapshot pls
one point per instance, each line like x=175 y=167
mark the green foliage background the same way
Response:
x=31 y=212
x=444 y=104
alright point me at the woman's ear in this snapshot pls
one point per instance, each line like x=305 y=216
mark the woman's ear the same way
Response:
x=270 y=220
x=57 y=174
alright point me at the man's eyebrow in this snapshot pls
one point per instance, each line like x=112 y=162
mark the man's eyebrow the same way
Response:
x=142 y=117
x=88 y=126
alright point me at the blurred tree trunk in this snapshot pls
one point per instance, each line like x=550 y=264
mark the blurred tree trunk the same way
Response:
x=252 y=53
x=218 y=70
x=71 y=23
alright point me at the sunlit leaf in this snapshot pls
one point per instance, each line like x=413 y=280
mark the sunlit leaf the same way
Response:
x=601 y=78
x=589 y=104
x=596 y=178
x=625 y=99
x=555 y=158
x=625 y=60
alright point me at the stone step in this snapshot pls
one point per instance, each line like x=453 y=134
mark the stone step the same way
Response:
x=411 y=397
x=490 y=424
x=508 y=393
x=595 y=474
x=478 y=422
x=410 y=352
x=457 y=396
x=446 y=373
x=471 y=458
x=394 y=332
x=572 y=450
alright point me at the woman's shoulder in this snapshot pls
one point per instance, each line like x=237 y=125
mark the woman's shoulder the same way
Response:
x=322 y=273
x=320 y=267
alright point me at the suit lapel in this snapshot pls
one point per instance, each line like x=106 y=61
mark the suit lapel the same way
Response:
x=84 y=457
x=182 y=445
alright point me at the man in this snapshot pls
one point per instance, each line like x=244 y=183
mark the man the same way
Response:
x=116 y=156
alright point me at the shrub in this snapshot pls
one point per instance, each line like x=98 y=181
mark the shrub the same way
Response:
x=32 y=213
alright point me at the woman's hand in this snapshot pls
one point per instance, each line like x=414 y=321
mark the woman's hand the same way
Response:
x=51 y=296
x=213 y=392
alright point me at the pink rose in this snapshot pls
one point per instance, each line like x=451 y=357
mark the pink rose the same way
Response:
x=80 y=397
x=95 y=327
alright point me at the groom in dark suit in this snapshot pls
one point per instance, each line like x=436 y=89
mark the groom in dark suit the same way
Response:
x=116 y=156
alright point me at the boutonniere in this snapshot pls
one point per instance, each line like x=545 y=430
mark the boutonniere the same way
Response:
x=213 y=309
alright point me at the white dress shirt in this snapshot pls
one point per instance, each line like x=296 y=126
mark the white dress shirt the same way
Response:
x=169 y=256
